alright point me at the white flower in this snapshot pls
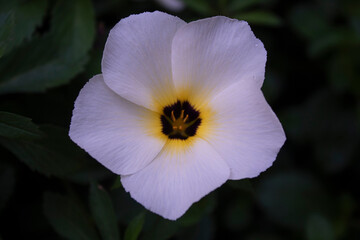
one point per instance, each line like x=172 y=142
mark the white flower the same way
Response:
x=178 y=109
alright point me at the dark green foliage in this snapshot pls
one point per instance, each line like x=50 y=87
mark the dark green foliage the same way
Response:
x=318 y=228
x=18 y=20
x=290 y=198
x=14 y=126
x=7 y=184
x=201 y=6
x=54 y=58
x=52 y=189
x=135 y=226
x=54 y=154
x=261 y=18
x=68 y=217
x=103 y=211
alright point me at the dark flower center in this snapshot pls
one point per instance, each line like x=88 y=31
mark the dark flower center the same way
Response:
x=180 y=120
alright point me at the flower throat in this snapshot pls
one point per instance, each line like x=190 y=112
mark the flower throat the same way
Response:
x=180 y=120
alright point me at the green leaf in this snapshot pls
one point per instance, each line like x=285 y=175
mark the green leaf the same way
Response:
x=325 y=43
x=200 y=6
x=38 y=78
x=344 y=71
x=117 y=183
x=334 y=142
x=205 y=229
x=237 y=5
x=6 y=26
x=74 y=31
x=133 y=230
x=237 y=213
x=7 y=184
x=160 y=228
x=309 y=21
x=14 y=126
x=125 y=206
x=318 y=228
x=104 y=213
x=55 y=58
x=198 y=211
x=260 y=18
x=346 y=208
x=68 y=217
x=290 y=198
x=92 y=171
x=54 y=154
x=243 y=184
x=18 y=21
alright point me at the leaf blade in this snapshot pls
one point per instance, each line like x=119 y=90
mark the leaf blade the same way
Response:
x=133 y=230
x=264 y=18
x=15 y=126
x=23 y=17
x=56 y=57
x=54 y=154
x=68 y=218
x=103 y=212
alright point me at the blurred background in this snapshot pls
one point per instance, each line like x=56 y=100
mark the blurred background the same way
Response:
x=51 y=189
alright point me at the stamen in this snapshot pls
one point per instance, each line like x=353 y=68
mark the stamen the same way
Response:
x=182 y=114
x=173 y=116
x=180 y=120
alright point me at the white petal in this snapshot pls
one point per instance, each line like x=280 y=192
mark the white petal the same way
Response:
x=247 y=133
x=122 y=136
x=210 y=54
x=137 y=58
x=178 y=177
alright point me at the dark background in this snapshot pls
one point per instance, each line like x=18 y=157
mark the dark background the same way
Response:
x=50 y=189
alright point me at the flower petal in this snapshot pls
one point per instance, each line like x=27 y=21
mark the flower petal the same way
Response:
x=210 y=54
x=122 y=136
x=247 y=133
x=137 y=58
x=177 y=178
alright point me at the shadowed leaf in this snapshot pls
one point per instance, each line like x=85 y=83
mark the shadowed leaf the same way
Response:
x=104 y=213
x=198 y=211
x=14 y=126
x=201 y=6
x=133 y=230
x=68 y=217
x=318 y=228
x=7 y=184
x=54 y=58
x=54 y=154
x=308 y=21
x=290 y=198
x=18 y=20
x=260 y=18
x=237 y=5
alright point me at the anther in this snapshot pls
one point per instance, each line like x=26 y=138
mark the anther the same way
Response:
x=186 y=118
